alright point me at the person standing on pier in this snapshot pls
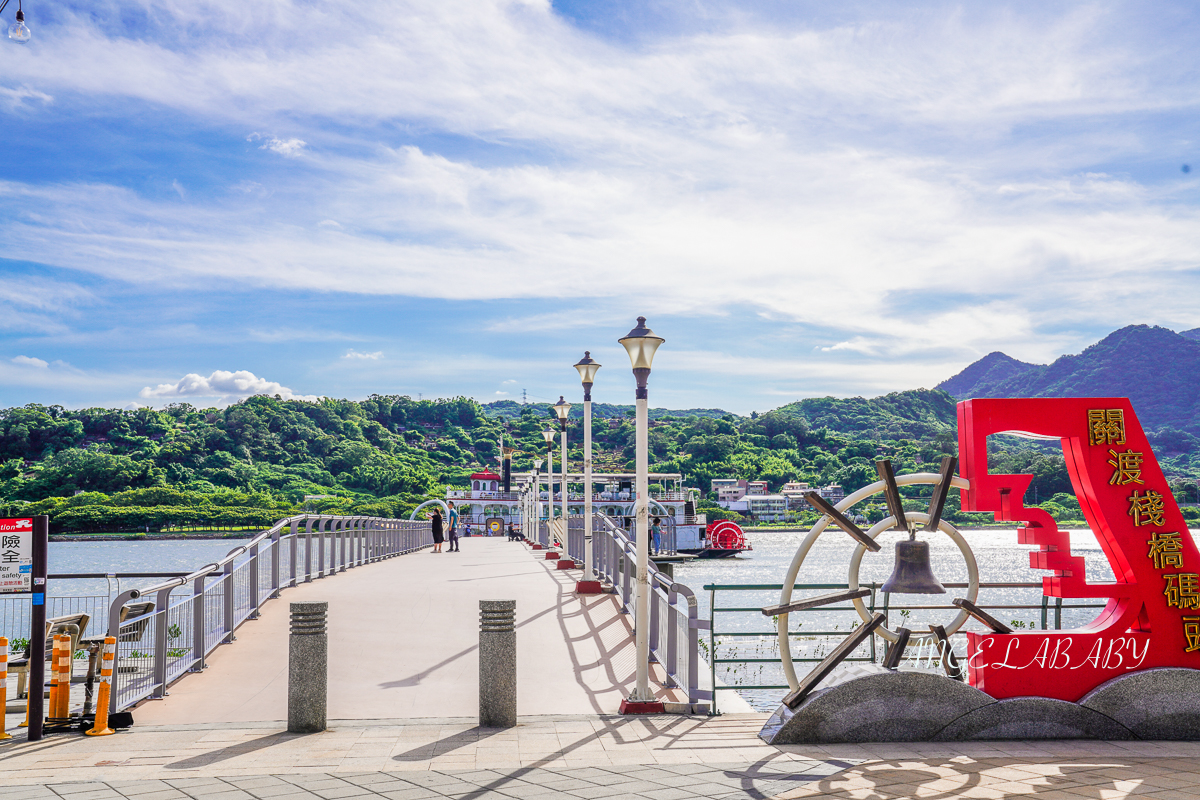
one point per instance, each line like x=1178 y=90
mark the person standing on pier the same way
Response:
x=438 y=538
x=453 y=521
x=656 y=534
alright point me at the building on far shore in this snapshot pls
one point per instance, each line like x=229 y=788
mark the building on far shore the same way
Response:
x=794 y=492
x=729 y=490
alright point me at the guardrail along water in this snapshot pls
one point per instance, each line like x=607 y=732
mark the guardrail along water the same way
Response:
x=170 y=627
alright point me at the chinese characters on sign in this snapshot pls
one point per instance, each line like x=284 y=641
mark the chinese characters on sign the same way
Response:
x=1183 y=590
x=1127 y=467
x=1166 y=549
x=16 y=555
x=1106 y=426
x=1146 y=510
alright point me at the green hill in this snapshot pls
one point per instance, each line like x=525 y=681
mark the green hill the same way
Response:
x=511 y=409
x=914 y=414
x=1156 y=368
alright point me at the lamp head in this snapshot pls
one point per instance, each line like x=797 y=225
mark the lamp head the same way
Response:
x=587 y=368
x=563 y=409
x=641 y=343
x=549 y=435
x=538 y=464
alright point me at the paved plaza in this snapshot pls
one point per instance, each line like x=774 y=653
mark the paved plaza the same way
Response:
x=578 y=756
x=220 y=735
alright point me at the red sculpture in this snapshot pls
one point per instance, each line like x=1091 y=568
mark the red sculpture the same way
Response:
x=1152 y=618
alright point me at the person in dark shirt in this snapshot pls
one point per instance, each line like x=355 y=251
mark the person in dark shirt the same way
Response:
x=438 y=538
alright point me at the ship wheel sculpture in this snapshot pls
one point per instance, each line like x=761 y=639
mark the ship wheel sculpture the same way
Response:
x=912 y=573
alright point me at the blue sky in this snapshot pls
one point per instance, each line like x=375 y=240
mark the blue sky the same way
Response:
x=207 y=199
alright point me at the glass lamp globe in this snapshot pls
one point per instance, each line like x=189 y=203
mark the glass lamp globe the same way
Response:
x=587 y=368
x=562 y=408
x=640 y=343
x=549 y=435
x=19 y=31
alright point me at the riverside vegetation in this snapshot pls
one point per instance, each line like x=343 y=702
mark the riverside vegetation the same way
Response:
x=247 y=465
x=183 y=468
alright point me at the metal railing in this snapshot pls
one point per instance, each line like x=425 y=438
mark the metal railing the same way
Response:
x=668 y=544
x=867 y=651
x=195 y=613
x=674 y=617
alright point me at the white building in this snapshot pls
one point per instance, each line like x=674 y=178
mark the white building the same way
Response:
x=767 y=507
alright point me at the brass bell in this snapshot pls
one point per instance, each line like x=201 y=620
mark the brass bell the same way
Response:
x=913 y=573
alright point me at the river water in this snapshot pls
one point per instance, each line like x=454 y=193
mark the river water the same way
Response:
x=1000 y=558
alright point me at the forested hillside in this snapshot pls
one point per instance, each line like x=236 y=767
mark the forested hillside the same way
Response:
x=1156 y=368
x=254 y=462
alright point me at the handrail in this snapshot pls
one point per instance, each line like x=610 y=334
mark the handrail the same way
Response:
x=162 y=644
x=245 y=548
x=614 y=557
x=878 y=601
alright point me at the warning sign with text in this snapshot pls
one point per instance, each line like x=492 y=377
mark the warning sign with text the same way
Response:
x=16 y=555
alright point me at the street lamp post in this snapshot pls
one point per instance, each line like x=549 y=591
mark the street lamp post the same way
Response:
x=587 y=373
x=641 y=343
x=563 y=409
x=537 y=504
x=548 y=435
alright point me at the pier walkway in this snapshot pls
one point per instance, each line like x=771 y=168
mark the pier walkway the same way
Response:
x=403 y=643
x=403 y=704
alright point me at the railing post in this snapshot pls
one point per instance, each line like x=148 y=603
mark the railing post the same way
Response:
x=162 y=604
x=199 y=641
x=253 y=594
x=693 y=678
x=293 y=545
x=308 y=526
x=227 y=601
x=276 y=543
x=672 y=660
x=356 y=542
x=337 y=546
x=655 y=614
x=321 y=545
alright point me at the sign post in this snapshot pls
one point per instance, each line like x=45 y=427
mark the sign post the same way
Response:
x=23 y=550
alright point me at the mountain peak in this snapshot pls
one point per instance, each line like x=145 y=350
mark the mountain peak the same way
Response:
x=1156 y=368
x=993 y=368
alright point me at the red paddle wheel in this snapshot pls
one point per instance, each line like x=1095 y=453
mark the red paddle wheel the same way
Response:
x=725 y=538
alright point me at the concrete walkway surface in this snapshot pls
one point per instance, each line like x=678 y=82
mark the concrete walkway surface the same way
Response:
x=587 y=756
x=403 y=642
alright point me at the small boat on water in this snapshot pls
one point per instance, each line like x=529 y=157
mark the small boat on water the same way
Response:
x=722 y=539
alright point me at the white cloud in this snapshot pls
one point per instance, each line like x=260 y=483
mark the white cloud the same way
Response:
x=355 y=355
x=14 y=99
x=29 y=361
x=868 y=174
x=288 y=148
x=229 y=387
x=179 y=190
x=312 y=334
